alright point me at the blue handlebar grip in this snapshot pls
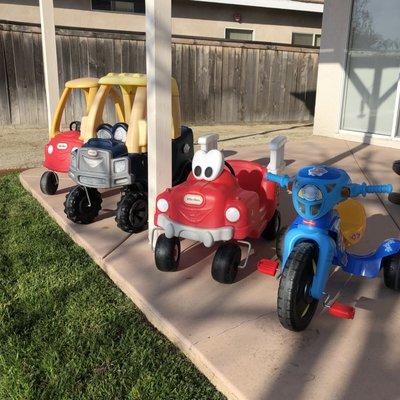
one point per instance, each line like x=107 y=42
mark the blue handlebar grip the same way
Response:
x=379 y=188
x=363 y=189
x=281 y=180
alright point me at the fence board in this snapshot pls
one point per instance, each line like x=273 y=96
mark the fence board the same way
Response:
x=5 y=116
x=220 y=81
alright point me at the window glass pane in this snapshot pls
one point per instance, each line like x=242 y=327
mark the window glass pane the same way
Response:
x=124 y=6
x=302 y=39
x=375 y=25
x=137 y=6
x=373 y=67
x=239 y=34
x=317 y=42
x=140 y=6
x=101 y=5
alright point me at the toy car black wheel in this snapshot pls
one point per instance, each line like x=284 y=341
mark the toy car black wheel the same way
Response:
x=226 y=262
x=271 y=230
x=391 y=271
x=396 y=167
x=167 y=253
x=77 y=206
x=394 y=198
x=279 y=242
x=296 y=307
x=132 y=212
x=49 y=183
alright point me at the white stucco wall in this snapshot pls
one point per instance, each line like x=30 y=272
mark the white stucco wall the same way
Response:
x=332 y=65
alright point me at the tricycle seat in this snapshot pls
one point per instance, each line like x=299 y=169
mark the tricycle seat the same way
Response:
x=353 y=221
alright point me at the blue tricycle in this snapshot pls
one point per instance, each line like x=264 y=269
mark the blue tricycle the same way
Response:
x=328 y=222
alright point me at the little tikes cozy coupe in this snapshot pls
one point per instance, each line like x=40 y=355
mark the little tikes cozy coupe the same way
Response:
x=57 y=151
x=220 y=201
x=329 y=221
x=116 y=157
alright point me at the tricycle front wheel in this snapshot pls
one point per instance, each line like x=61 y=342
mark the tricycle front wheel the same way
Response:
x=296 y=307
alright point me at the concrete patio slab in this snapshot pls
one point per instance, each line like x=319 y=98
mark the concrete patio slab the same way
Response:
x=231 y=332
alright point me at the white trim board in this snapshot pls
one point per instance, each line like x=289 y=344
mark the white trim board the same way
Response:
x=281 y=4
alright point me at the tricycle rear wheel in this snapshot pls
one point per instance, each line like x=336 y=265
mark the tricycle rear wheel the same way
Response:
x=49 y=183
x=391 y=271
x=279 y=242
x=396 y=167
x=271 y=230
x=167 y=253
x=226 y=263
x=296 y=307
x=394 y=198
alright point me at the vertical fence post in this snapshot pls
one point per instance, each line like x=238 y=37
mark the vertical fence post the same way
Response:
x=49 y=56
x=159 y=105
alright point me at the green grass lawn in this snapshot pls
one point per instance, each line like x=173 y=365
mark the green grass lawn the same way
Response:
x=66 y=332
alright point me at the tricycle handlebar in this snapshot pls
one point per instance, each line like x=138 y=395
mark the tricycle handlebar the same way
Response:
x=281 y=180
x=363 y=189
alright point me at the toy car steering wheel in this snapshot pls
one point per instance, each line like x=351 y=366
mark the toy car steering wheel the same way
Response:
x=77 y=126
x=229 y=166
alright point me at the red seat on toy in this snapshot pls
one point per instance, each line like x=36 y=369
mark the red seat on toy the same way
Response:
x=250 y=176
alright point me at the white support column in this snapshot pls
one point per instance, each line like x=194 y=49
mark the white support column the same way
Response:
x=49 y=56
x=159 y=106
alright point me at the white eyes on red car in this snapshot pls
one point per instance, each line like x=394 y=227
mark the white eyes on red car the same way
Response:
x=207 y=165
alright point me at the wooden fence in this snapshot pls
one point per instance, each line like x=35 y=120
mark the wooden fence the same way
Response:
x=220 y=81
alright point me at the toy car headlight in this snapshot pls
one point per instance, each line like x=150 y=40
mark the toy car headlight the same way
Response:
x=120 y=166
x=232 y=214
x=162 y=205
x=310 y=193
x=50 y=149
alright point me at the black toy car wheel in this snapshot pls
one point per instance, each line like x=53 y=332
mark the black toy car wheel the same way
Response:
x=226 y=262
x=132 y=212
x=271 y=230
x=279 y=242
x=394 y=198
x=396 y=167
x=77 y=206
x=391 y=271
x=49 y=183
x=296 y=307
x=167 y=253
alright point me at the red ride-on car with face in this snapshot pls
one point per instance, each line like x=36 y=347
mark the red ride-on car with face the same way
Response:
x=220 y=201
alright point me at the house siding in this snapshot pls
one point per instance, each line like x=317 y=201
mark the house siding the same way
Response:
x=189 y=19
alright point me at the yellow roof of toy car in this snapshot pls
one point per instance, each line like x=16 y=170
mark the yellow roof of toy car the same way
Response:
x=132 y=79
x=82 y=83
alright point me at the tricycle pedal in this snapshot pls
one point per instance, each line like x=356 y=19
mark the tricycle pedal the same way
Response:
x=341 y=310
x=267 y=266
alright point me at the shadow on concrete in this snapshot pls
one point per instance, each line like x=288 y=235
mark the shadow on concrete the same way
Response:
x=265 y=132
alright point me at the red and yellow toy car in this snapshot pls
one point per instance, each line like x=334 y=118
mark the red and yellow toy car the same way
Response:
x=57 y=152
x=219 y=202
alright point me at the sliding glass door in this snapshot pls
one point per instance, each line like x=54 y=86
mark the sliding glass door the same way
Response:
x=371 y=97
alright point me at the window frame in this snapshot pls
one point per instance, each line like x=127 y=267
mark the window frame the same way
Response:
x=313 y=35
x=116 y=11
x=227 y=28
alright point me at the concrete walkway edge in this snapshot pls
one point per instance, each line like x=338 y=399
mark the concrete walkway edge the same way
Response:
x=167 y=329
